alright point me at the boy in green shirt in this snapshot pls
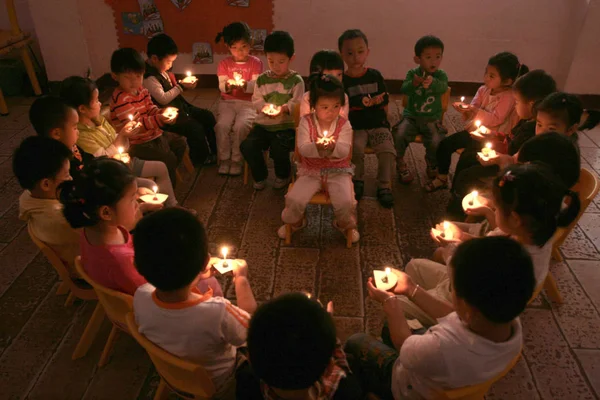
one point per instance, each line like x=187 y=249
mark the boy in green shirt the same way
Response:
x=424 y=87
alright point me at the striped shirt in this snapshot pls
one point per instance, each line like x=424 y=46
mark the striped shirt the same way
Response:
x=270 y=89
x=123 y=104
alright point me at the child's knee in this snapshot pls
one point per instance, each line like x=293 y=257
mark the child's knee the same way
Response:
x=412 y=267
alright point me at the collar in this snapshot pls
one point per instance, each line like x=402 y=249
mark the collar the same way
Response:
x=183 y=304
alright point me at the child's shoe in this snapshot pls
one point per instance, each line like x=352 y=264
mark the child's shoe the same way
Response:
x=295 y=228
x=404 y=173
x=385 y=197
x=258 y=185
x=224 y=167
x=359 y=189
x=281 y=183
x=432 y=172
x=235 y=169
x=355 y=235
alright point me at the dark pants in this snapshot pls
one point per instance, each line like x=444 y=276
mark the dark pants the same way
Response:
x=279 y=144
x=447 y=147
x=198 y=126
x=168 y=148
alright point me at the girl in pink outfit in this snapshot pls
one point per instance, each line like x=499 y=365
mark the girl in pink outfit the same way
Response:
x=237 y=75
x=324 y=148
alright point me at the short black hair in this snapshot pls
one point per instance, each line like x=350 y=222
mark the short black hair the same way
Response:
x=556 y=151
x=38 y=158
x=47 y=113
x=161 y=45
x=499 y=287
x=77 y=91
x=326 y=60
x=427 y=42
x=535 y=85
x=565 y=106
x=325 y=86
x=351 y=34
x=291 y=340
x=235 y=32
x=280 y=42
x=127 y=60
x=171 y=248
x=508 y=65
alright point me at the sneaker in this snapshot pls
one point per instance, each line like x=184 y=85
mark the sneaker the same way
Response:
x=224 y=167
x=281 y=183
x=355 y=235
x=432 y=172
x=404 y=173
x=359 y=189
x=235 y=169
x=281 y=230
x=258 y=185
x=384 y=195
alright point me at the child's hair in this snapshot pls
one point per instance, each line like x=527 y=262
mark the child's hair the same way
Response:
x=326 y=60
x=171 y=248
x=508 y=65
x=499 y=287
x=161 y=45
x=567 y=107
x=536 y=194
x=77 y=91
x=351 y=34
x=102 y=182
x=426 y=42
x=235 y=32
x=38 y=158
x=535 y=85
x=280 y=42
x=291 y=340
x=325 y=86
x=556 y=151
x=127 y=60
x=47 y=113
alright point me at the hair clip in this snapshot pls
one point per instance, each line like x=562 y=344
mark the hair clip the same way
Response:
x=325 y=77
x=507 y=177
x=81 y=201
x=86 y=216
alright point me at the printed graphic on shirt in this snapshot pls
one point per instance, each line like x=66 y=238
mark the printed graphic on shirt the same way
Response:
x=366 y=89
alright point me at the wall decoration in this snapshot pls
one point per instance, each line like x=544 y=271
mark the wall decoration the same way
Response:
x=258 y=39
x=149 y=9
x=202 y=53
x=132 y=23
x=239 y=3
x=153 y=27
x=181 y=4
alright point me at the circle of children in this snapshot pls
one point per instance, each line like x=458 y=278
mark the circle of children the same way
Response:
x=469 y=295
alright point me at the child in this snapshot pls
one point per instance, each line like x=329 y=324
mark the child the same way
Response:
x=424 y=86
x=41 y=164
x=368 y=102
x=469 y=346
x=130 y=99
x=280 y=87
x=326 y=62
x=324 y=159
x=236 y=111
x=493 y=105
x=196 y=124
x=294 y=351
x=171 y=253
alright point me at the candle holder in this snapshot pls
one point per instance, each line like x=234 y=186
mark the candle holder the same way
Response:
x=487 y=153
x=237 y=80
x=385 y=280
x=325 y=140
x=156 y=198
x=472 y=200
x=191 y=79
x=462 y=104
x=121 y=156
x=481 y=131
x=133 y=124
x=271 y=110
x=443 y=231
x=223 y=265
x=171 y=113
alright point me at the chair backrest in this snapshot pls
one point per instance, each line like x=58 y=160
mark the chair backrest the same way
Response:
x=116 y=304
x=445 y=101
x=296 y=115
x=12 y=17
x=181 y=375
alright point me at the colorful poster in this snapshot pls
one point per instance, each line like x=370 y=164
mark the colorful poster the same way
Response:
x=239 y=3
x=132 y=23
x=153 y=27
x=181 y=4
x=202 y=53
x=149 y=9
x=258 y=39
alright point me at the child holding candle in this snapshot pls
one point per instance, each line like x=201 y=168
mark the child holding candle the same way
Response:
x=280 y=89
x=171 y=253
x=324 y=146
x=368 y=115
x=236 y=111
x=196 y=124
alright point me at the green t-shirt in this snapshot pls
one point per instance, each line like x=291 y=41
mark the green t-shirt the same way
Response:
x=424 y=102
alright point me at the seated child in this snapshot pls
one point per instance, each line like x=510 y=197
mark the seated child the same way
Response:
x=326 y=62
x=424 y=86
x=280 y=87
x=171 y=253
x=493 y=106
x=368 y=103
x=294 y=352
x=324 y=159
x=131 y=99
x=41 y=164
x=469 y=346
x=196 y=124
x=236 y=111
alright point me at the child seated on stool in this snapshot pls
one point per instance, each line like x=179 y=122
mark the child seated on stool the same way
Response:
x=171 y=253
x=196 y=124
x=424 y=86
x=236 y=111
x=470 y=345
x=281 y=88
x=368 y=115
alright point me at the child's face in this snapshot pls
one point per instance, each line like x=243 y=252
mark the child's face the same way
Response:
x=338 y=73
x=125 y=211
x=523 y=106
x=93 y=110
x=164 y=64
x=430 y=59
x=130 y=82
x=279 y=63
x=355 y=52
x=69 y=133
x=492 y=77
x=50 y=185
x=240 y=50
x=548 y=123
x=327 y=109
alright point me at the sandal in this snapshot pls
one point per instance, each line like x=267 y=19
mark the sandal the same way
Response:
x=436 y=184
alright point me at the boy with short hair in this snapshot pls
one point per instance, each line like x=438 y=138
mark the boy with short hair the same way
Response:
x=132 y=99
x=171 y=253
x=280 y=87
x=368 y=115
x=468 y=346
x=196 y=124
x=41 y=164
x=424 y=86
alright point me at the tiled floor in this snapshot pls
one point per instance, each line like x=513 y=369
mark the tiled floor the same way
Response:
x=38 y=334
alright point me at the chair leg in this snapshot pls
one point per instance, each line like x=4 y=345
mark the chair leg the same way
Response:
x=556 y=254
x=187 y=162
x=70 y=300
x=90 y=332
x=63 y=288
x=30 y=70
x=246 y=171
x=162 y=391
x=349 y=238
x=110 y=343
x=552 y=289
x=3 y=106
x=179 y=177
x=288 y=234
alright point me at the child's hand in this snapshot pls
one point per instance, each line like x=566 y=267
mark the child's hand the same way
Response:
x=240 y=268
x=367 y=101
x=405 y=285
x=228 y=88
x=428 y=81
x=330 y=308
x=456 y=232
x=188 y=85
x=285 y=109
x=130 y=129
x=144 y=191
x=482 y=211
x=167 y=119
x=417 y=80
x=377 y=294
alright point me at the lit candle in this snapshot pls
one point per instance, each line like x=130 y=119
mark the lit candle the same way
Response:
x=325 y=133
x=155 y=190
x=462 y=99
x=308 y=295
x=131 y=117
x=447 y=233
x=474 y=195
x=189 y=74
x=120 y=150
x=478 y=124
x=386 y=278
x=271 y=108
x=224 y=251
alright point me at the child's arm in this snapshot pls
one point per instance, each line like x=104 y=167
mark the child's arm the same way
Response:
x=408 y=86
x=343 y=143
x=399 y=329
x=433 y=306
x=346 y=107
x=243 y=291
x=158 y=93
x=439 y=84
x=257 y=69
x=305 y=106
x=297 y=93
x=306 y=147
x=499 y=114
x=478 y=99
x=382 y=91
x=258 y=97
x=223 y=75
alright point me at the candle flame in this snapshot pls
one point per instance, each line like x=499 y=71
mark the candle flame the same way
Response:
x=325 y=133
x=478 y=123
x=120 y=150
x=130 y=117
x=308 y=295
x=155 y=189
x=224 y=251
x=388 y=270
x=475 y=194
x=462 y=99
x=488 y=145
x=189 y=73
x=446 y=225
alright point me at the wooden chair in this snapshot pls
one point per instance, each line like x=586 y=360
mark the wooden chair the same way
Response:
x=116 y=306
x=187 y=164
x=186 y=378
x=16 y=39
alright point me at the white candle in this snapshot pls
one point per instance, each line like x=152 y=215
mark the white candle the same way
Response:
x=447 y=233
x=155 y=190
x=388 y=271
x=224 y=251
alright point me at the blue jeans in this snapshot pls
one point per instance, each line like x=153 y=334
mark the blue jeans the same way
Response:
x=432 y=132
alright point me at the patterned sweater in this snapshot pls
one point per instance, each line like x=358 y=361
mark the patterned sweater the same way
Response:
x=270 y=89
x=123 y=104
x=368 y=87
x=424 y=102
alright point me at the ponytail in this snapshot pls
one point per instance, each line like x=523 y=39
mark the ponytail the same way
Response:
x=321 y=85
x=508 y=66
